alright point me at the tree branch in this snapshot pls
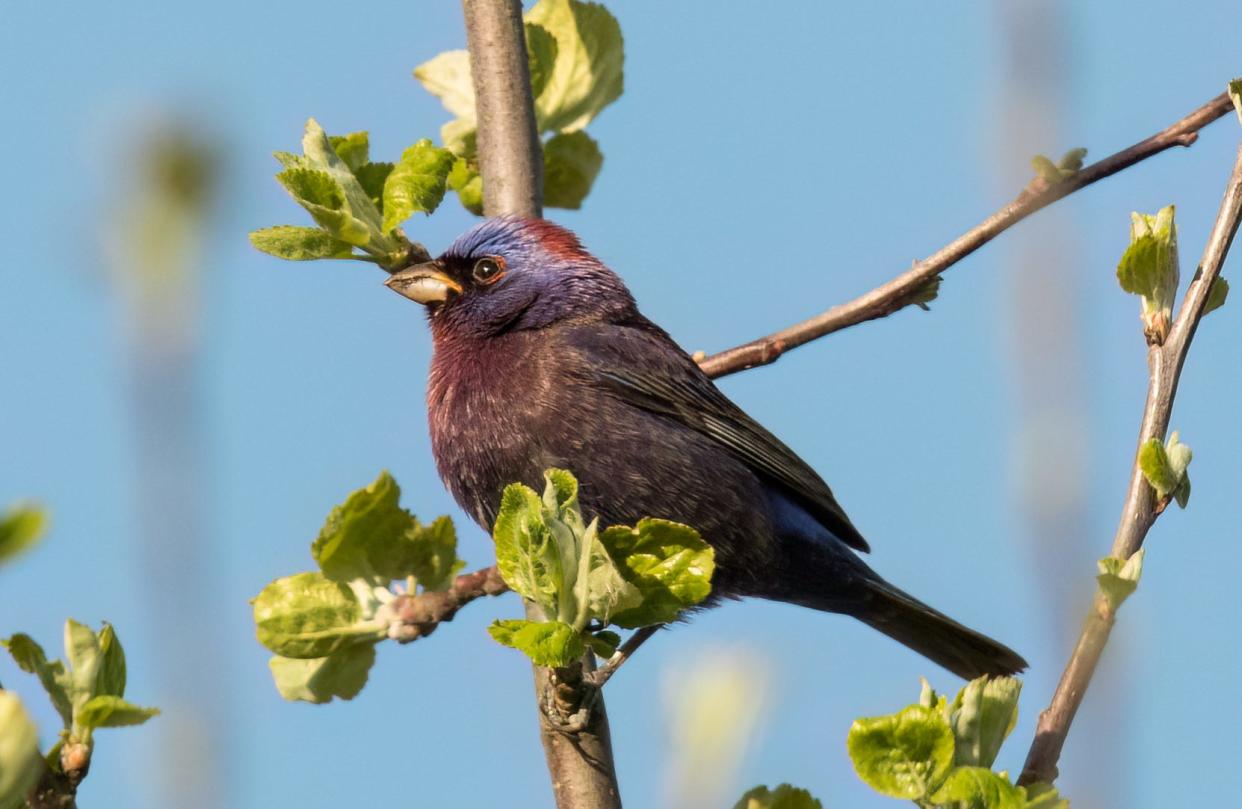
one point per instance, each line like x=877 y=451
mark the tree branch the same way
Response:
x=511 y=162
x=597 y=679
x=510 y=156
x=58 y=789
x=905 y=288
x=420 y=614
x=1141 y=508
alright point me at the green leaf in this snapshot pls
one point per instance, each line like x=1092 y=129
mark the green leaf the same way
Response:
x=85 y=658
x=460 y=136
x=1046 y=169
x=586 y=75
x=354 y=149
x=30 y=658
x=20 y=763
x=541 y=53
x=426 y=552
x=783 y=797
x=1149 y=267
x=371 y=537
x=341 y=674
x=926 y=293
x=669 y=564
x=416 y=183
x=983 y=715
x=978 y=788
x=21 y=526
x=1165 y=467
x=111 y=678
x=604 y=643
x=363 y=534
x=324 y=199
x=903 y=755
x=312 y=186
x=307 y=615
x=468 y=184
x=299 y=243
x=1235 y=95
x=108 y=711
x=1216 y=295
x=318 y=149
x=1053 y=173
x=1071 y=161
x=447 y=77
x=372 y=177
x=547 y=643
x=1043 y=796
x=1119 y=578
x=571 y=162
x=526 y=553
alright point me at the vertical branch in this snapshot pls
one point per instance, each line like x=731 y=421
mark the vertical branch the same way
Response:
x=509 y=152
x=573 y=728
x=1141 y=508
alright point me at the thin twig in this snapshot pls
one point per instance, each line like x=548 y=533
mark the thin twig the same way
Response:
x=604 y=673
x=511 y=163
x=419 y=614
x=1141 y=509
x=905 y=288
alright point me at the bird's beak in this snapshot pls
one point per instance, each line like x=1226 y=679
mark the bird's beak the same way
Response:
x=425 y=283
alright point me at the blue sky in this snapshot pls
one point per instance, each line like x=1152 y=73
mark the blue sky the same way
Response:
x=761 y=166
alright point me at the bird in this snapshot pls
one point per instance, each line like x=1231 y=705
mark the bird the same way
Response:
x=541 y=358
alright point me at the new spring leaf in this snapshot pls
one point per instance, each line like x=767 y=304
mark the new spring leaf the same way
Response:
x=904 y=755
x=1149 y=268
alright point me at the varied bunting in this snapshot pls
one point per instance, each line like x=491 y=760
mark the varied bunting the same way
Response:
x=543 y=360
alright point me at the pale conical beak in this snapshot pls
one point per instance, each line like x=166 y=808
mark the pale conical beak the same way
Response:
x=424 y=283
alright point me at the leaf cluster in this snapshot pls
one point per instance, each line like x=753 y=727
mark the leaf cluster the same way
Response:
x=357 y=205
x=87 y=689
x=323 y=625
x=584 y=579
x=576 y=57
x=939 y=753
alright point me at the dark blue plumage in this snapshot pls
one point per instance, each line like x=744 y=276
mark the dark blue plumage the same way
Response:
x=542 y=359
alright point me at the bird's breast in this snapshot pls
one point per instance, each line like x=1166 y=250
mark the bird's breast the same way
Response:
x=486 y=404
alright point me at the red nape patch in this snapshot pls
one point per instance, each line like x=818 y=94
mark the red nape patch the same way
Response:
x=557 y=240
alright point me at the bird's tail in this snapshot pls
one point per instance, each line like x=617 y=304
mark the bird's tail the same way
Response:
x=835 y=580
x=933 y=634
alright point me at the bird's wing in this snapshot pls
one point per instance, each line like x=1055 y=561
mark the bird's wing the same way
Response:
x=643 y=366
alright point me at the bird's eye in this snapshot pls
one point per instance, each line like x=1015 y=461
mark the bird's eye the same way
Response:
x=487 y=270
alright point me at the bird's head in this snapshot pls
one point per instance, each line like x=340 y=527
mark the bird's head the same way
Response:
x=510 y=273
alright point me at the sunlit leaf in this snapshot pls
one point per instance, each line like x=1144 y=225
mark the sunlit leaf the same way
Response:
x=546 y=643
x=341 y=674
x=307 y=615
x=571 y=162
x=903 y=755
x=107 y=711
x=416 y=183
x=299 y=243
